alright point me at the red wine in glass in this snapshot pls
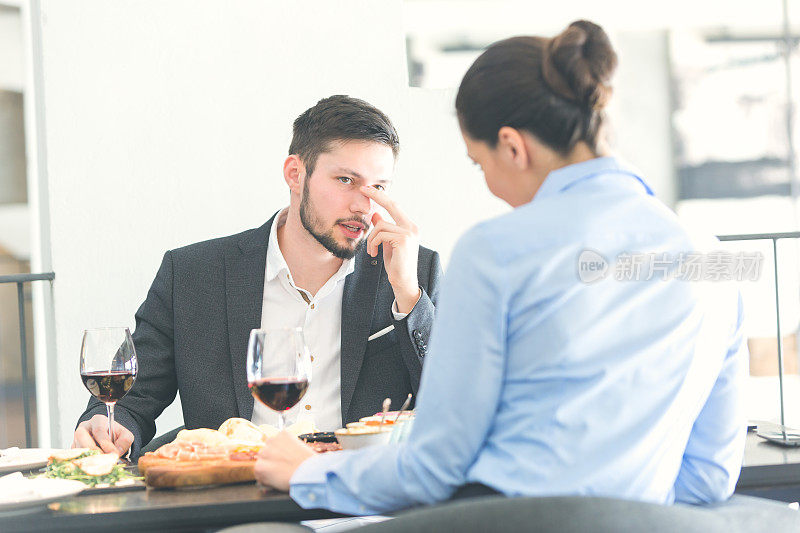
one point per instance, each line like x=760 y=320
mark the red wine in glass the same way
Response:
x=108 y=386
x=279 y=394
x=108 y=366
x=278 y=368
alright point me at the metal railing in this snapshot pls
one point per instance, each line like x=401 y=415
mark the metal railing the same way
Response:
x=774 y=237
x=20 y=280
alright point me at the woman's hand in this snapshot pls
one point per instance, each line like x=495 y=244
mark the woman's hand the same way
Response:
x=278 y=460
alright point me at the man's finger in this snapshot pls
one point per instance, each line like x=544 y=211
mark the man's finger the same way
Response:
x=392 y=239
x=386 y=202
x=123 y=442
x=106 y=445
x=100 y=435
x=383 y=227
x=377 y=219
x=83 y=439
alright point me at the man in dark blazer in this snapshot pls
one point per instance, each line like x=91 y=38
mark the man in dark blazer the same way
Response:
x=375 y=295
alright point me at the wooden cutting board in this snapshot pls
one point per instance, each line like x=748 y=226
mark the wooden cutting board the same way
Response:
x=167 y=473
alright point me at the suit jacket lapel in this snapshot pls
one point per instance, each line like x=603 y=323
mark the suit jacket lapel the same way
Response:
x=244 y=290
x=358 y=302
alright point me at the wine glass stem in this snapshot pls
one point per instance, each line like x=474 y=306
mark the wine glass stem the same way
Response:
x=110 y=410
x=281 y=420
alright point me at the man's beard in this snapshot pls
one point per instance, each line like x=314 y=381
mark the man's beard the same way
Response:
x=311 y=223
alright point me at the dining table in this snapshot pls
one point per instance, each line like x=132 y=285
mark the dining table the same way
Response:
x=769 y=471
x=148 y=509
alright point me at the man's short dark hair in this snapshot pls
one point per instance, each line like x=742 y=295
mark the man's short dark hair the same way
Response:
x=339 y=118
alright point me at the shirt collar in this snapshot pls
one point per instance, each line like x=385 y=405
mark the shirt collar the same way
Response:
x=347 y=268
x=276 y=262
x=563 y=178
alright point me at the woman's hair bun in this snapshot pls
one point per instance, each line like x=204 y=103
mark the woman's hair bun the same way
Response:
x=577 y=64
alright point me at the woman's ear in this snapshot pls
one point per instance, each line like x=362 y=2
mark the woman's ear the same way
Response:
x=293 y=169
x=512 y=147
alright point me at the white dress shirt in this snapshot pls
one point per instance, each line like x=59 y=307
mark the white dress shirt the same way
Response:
x=321 y=320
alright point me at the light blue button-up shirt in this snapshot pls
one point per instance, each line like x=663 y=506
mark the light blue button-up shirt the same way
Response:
x=539 y=382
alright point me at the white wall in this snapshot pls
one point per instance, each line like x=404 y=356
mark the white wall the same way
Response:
x=437 y=184
x=168 y=122
x=639 y=112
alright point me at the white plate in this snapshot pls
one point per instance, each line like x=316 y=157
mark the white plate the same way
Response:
x=28 y=494
x=25 y=459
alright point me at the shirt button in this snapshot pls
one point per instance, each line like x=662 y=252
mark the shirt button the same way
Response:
x=308 y=407
x=312 y=358
x=312 y=306
x=312 y=497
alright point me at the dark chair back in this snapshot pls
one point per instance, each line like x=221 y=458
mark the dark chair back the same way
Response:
x=572 y=514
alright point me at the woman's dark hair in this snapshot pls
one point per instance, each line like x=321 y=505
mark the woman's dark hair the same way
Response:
x=555 y=89
x=339 y=118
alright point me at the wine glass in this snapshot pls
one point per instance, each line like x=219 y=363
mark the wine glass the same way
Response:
x=108 y=366
x=278 y=368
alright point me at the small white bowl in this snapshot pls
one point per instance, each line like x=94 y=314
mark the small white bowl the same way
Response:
x=350 y=440
x=402 y=430
x=390 y=417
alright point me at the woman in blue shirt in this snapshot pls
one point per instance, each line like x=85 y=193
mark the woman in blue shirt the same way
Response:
x=576 y=349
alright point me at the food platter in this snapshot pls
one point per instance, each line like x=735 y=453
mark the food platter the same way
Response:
x=20 y=494
x=201 y=457
x=22 y=459
x=95 y=470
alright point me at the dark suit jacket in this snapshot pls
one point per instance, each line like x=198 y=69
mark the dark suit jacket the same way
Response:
x=192 y=331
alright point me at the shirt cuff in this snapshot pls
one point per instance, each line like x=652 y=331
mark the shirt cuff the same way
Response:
x=397 y=314
x=400 y=316
x=308 y=486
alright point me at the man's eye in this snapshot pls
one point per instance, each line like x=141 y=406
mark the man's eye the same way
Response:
x=379 y=187
x=345 y=180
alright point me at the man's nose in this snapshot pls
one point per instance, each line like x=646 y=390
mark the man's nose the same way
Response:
x=361 y=203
